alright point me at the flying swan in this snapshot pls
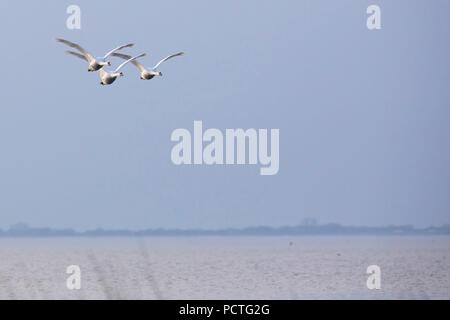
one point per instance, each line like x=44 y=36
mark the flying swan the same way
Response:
x=108 y=78
x=145 y=74
x=94 y=63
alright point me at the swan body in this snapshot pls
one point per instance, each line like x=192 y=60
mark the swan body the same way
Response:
x=94 y=63
x=146 y=74
x=109 y=77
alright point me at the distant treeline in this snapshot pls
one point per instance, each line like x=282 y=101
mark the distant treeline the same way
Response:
x=22 y=230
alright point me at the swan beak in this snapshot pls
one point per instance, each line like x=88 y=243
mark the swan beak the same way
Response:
x=160 y=74
x=108 y=63
x=121 y=74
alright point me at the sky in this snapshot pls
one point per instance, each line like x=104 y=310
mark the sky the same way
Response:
x=363 y=115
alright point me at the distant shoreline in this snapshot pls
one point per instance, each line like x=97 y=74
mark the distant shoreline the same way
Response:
x=23 y=231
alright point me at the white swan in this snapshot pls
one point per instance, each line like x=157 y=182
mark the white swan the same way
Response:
x=145 y=74
x=94 y=63
x=110 y=77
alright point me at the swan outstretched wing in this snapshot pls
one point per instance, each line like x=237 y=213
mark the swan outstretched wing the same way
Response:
x=102 y=73
x=167 y=58
x=77 y=55
x=88 y=56
x=129 y=60
x=127 y=57
x=117 y=49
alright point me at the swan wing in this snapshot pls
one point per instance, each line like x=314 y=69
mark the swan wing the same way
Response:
x=102 y=73
x=127 y=57
x=117 y=49
x=89 y=57
x=167 y=58
x=129 y=60
x=77 y=55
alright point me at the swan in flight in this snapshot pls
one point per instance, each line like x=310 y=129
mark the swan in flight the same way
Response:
x=94 y=63
x=110 y=77
x=145 y=74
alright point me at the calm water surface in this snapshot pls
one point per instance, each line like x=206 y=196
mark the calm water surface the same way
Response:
x=226 y=268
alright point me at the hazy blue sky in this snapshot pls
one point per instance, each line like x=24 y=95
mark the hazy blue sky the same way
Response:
x=363 y=115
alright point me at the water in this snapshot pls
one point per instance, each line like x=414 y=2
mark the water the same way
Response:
x=226 y=268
